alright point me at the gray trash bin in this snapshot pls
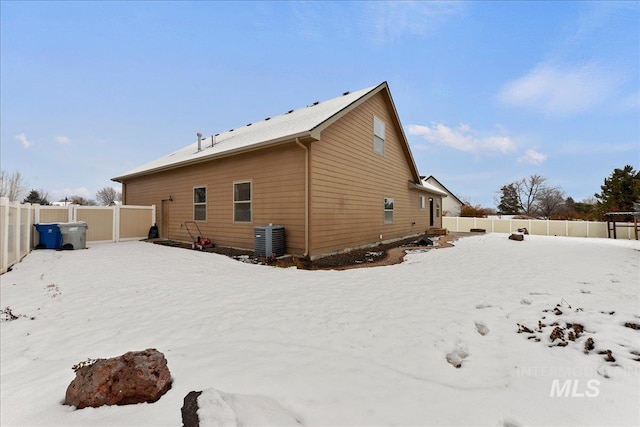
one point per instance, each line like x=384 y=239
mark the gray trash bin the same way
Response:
x=74 y=234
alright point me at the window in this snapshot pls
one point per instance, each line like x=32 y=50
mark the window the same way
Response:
x=378 y=135
x=388 y=211
x=423 y=203
x=242 y=201
x=200 y=204
x=437 y=208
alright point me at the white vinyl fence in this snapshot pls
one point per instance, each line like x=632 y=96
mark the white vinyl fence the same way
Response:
x=18 y=236
x=539 y=227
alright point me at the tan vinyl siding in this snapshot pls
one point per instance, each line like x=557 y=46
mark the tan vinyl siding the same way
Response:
x=350 y=182
x=277 y=177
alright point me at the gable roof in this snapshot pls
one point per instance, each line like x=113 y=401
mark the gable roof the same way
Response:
x=424 y=182
x=307 y=122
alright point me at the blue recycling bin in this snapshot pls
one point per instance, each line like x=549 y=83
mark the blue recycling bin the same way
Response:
x=50 y=236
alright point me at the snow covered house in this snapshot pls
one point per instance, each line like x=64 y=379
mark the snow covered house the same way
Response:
x=451 y=205
x=337 y=175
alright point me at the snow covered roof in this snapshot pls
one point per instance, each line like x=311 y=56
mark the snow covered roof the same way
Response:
x=425 y=181
x=433 y=189
x=304 y=122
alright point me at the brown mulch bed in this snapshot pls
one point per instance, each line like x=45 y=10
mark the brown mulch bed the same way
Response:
x=383 y=254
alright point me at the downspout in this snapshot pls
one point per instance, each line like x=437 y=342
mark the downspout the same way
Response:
x=306 y=196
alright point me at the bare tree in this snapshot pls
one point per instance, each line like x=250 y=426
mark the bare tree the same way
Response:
x=12 y=185
x=550 y=201
x=528 y=190
x=79 y=200
x=107 y=196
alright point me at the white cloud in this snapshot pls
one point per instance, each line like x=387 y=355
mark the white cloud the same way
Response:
x=533 y=157
x=561 y=91
x=61 y=139
x=461 y=138
x=23 y=139
x=393 y=19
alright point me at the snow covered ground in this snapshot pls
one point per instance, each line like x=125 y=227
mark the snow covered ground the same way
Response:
x=371 y=346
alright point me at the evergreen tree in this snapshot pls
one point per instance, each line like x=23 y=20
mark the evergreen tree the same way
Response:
x=509 y=203
x=619 y=191
x=37 y=198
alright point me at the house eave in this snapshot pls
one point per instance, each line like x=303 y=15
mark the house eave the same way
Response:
x=414 y=186
x=215 y=156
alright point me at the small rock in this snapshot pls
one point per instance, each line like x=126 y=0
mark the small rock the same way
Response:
x=190 y=410
x=134 y=377
x=588 y=345
x=517 y=237
x=523 y=328
x=557 y=333
x=609 y=357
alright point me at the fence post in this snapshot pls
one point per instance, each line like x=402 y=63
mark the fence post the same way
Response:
x=116 y=223
x=31 y=228
x=4 y=234
x=16 y=231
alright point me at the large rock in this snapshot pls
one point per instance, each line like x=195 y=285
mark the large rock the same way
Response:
x=134 y=377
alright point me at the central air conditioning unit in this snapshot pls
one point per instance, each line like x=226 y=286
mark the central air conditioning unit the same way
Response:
x=269 y=240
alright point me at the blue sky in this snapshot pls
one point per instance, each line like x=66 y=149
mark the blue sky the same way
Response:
x=487 y=92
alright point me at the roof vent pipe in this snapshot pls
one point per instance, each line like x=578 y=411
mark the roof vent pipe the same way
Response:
x=199 y=141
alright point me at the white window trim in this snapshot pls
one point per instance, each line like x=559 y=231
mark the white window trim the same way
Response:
x=206 y=198
x=250 y=201
x=385 y=210
x=423 y=203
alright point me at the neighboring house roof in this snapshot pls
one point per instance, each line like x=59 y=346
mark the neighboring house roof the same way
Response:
x=433 y=189
x=307 y=122
x=425 y=183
